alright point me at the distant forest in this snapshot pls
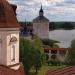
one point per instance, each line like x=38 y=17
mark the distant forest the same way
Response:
x=54 y=25
x=62 y=25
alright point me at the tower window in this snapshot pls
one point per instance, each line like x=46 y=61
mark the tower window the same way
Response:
x=13 y=53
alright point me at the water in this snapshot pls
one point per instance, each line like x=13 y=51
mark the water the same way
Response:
x=64 y=36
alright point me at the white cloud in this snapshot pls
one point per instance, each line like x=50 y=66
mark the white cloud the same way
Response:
x=55 y=10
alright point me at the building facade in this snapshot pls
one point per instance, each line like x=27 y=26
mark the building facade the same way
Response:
x=56 y=54
x=9 y=40
x=41 y=25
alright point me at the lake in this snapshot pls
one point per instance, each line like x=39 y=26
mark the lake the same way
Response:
x=64 y=36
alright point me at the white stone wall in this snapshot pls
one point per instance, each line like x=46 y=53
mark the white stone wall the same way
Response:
x=41 y=29
x=62 y=58
x=5 y=47
x=58 y=56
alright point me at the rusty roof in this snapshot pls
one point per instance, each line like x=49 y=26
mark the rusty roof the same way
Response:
x=7 y=71
x=70 y=70
x=60 y=49
x=7 y=16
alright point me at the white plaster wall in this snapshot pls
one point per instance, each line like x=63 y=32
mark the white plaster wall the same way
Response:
x=0 y=47
x=5 y=47
x=9 y=48
x=62 y=58
x=3 y=50
x=41 y=29
x=59 y=57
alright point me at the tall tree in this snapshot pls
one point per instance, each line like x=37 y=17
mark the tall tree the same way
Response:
x=71 y=54
x=30 y=54
x=25 y=54
x=38 y=49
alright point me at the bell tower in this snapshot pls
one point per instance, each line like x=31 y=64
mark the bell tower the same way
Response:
x=41 y=25
x=41 y=11
x=9 y=35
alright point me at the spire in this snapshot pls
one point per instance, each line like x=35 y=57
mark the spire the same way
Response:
x=41 y=11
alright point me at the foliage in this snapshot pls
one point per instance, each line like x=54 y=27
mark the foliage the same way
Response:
x=30 y=53
x=45 y=68
x=25 y=55
x=38 y=52
x=67 y=25
x=62 y=25
x=55 y=46
x=49 y=42
x=38 y=43
x=71 y=54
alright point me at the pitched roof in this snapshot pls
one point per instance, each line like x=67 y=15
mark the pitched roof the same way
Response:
x=7 y=15
x=7 y=71
x=40 y=19
x=59 y=49
x=70 y=70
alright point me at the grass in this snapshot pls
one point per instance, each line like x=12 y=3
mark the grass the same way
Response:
x=45 y=68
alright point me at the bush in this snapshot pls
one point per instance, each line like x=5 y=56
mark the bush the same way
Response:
x=49 y=42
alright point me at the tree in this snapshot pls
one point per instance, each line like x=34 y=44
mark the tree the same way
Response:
x=25 y=54
x=71 y=54
x=55 y=46
x=38 y=49
x=49 y=42
x=38 y=43
x=30 y=54
x=37 y=60
x=67 y=25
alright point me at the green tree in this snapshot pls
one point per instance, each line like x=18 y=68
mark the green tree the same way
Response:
x=71 y=54
x=25 y=54
x=37 y=60
x=38 y=43
x=49 y=42
x=67 y=25
x=30 y=53
x=55 y=46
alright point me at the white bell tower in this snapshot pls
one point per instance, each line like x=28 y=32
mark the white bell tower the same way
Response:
x=9 y=46
x=9 y=34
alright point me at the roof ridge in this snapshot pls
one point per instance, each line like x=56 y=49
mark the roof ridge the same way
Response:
x=8 y=19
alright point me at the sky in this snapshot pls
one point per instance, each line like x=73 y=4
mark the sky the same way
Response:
x=54 y=10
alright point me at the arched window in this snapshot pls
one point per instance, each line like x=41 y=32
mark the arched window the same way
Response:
x=13 y=53
x=13 y=39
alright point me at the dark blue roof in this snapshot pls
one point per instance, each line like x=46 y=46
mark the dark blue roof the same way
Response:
x=40 y=19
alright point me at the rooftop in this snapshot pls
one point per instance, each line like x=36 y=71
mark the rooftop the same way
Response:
x=60 y=49
x=7 y=71
x=40 y=19
x=7 y=15
x=70 y=70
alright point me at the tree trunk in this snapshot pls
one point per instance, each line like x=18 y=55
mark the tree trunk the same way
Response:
x=36 y=71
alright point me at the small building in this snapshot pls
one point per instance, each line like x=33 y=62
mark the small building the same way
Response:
x=26 y=28
x=9 y=40
x=41 y=25
x=56 y=54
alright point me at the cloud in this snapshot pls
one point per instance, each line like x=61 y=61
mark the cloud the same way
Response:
x=55 y=10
